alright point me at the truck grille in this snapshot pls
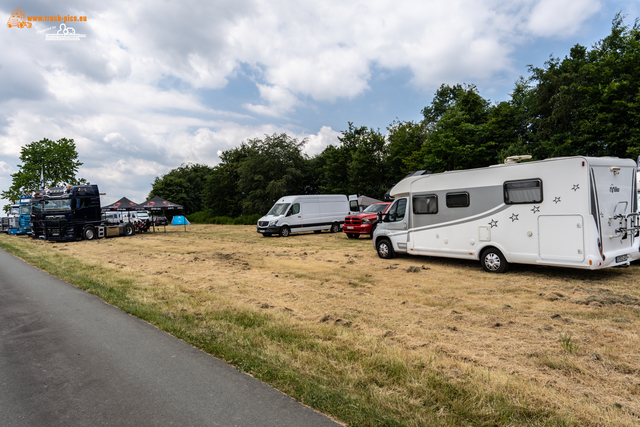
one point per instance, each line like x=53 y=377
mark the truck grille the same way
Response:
x=352 y=221
x=263 y=223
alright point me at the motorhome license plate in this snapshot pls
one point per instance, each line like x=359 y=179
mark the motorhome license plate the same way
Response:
x=621 y=258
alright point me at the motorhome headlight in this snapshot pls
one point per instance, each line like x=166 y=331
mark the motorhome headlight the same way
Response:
x=272 y=223
x=366 y=221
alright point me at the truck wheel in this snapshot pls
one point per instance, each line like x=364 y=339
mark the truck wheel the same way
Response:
x=493 y=261
x=284 y=231
x=89 y=233
x=129 y=230
x=353 y=235
x=385 y=249
x=335 y=227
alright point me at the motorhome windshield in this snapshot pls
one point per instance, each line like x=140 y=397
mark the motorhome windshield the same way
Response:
x=375 y=208
x=279 y=209
x=57 y=205
x=25 y=209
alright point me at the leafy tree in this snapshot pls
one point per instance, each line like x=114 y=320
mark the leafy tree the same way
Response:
x=221 y=195
x=274 y=167
x=183 y=185
x=405 y=139
x=57 y=160
x=462 y=137
x=589 y=102
x=357 y=165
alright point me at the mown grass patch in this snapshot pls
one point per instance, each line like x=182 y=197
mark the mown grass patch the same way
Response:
x=355 y=377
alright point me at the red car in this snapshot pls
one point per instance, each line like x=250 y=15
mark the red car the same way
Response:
x=364 y=222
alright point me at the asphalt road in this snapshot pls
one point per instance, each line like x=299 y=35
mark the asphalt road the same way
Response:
x=69 y=359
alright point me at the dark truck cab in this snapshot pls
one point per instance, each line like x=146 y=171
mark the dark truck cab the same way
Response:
x=67 y=213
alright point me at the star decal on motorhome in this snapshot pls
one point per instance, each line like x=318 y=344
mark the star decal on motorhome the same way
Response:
x=514 y=217
x=535 y=209
x=576 y=187
x=493 y=223
x=557 y=200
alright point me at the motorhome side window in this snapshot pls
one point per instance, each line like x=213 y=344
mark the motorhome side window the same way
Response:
x=397 y=211
x=295 y=209
x=458 y=200
x=523 y=191
x=425 y=204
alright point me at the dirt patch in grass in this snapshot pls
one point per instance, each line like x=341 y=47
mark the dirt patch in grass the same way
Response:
x=405 y=335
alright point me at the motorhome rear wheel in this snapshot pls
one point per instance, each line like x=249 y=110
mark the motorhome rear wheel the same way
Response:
x=493 y=261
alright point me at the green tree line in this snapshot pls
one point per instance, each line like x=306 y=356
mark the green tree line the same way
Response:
x=587 y=103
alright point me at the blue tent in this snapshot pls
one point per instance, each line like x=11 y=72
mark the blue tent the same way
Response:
x=180 y=220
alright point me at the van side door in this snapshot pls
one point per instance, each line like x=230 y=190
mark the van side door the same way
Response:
x=294 y=217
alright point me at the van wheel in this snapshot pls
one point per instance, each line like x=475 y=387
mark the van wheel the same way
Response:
x=385 y=250
x=335 y=228
x=284 y=232
x=353 y=235
x=493 y=261
x=89 y=233
x=128 y=230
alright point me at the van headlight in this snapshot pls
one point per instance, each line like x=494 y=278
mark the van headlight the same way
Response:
x=272 y=223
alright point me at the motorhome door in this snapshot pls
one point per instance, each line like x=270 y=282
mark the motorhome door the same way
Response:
x=396 y=220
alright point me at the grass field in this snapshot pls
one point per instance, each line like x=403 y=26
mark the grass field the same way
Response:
x=411 y=341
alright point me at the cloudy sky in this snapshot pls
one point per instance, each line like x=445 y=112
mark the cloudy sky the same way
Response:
x=155 y=84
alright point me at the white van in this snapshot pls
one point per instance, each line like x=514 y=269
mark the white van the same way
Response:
x=293 y=214
x=578 y=212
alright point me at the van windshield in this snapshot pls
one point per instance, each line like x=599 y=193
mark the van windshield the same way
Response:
x=279 y=209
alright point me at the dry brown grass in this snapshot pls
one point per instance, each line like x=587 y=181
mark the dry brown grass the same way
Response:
x=556 y=338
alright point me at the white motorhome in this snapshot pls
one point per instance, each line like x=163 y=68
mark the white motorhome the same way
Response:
x=576 y=212
x=293 y=214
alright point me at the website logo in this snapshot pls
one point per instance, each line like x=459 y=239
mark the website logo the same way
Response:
x=65 y=34
x=18 y=19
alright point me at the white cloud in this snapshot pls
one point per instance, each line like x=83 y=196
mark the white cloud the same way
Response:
x=317 y=143
x=551 y=18
x=280 y=101
x=136 y=93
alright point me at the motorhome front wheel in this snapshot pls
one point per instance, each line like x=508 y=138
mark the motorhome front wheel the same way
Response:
x=385 y=250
